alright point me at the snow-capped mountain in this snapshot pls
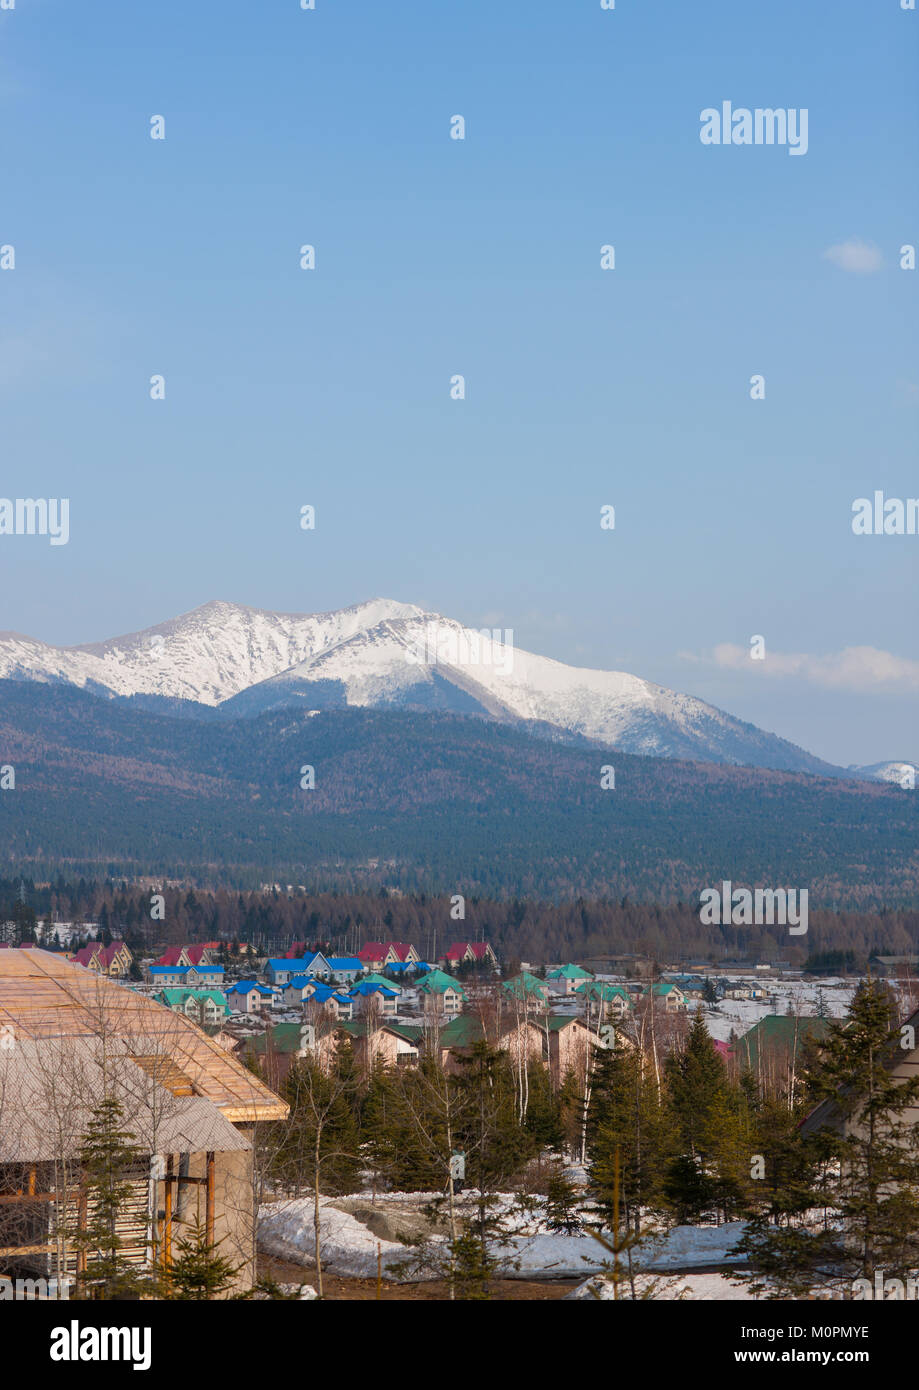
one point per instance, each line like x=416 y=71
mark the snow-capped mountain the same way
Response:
x=903 y=774
x=385 y=654
x=207 y=655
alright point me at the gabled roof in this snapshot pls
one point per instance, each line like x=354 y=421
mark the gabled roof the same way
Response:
x=360 y=1027
x=525 y=985
x=367 y=987
x=179 y=996
x=467 y=1029
x=438 y=982
x=597 y=989
x=379 y=950
x=193 y=954
x=170 y=956
x=44 y=996
x=463 y=1031
x=569 y=972
x=776 y=1032
x=556 y=1022
x=105 y=954
x=373 y=950
x=323 y=993
x=828 y=1112
x=285 y=1037
x=247 y=986
x=458 y=950
x=161 y=1115
x=382 y=980
x=345 y=962
x=288 y=962
x=402 y=949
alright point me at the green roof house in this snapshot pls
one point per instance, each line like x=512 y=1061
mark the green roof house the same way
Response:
x=565 y=979
x=776 y=1041
x=526 y=987
x=441 y=994
x=613 y=1001
x=202 y=1006
x=375 y=979
x=671 y=994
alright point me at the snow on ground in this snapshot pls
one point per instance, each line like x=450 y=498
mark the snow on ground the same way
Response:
x=529 y=1251
x=286 y=1229
x=797 y=996
x=699 y=1287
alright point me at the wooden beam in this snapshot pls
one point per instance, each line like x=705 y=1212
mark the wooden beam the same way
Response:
x=167 y=1228
x=209 y=1189
x=8 y=1250
x=82 y=1203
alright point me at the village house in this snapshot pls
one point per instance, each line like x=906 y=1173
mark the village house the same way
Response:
x=202 y=1006
x=902 y=1065
x=773 y=1048
x=376 y=955
x=570 y=1044
x=605 y=1000
x=278 y=1047
x=187 y=976
x=441 y=995
x=316 y=1037
x=522 y=1039
x=693 y=986
x=249 y=997
x=280 y=971
x=202 y=954
x=528 y=989
x=669 y=994
x=345 y=969
x=383 y=1044
x=369 y=995
x=190 y=1106
x=113 y=961
x=297 y=990
x=468 y=953
x=565 y=979
x=384 y=981
x=895 y=967
x=322 y=996
x=743 y=989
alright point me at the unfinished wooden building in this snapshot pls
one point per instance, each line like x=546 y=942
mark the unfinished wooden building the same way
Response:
x=68 y=1040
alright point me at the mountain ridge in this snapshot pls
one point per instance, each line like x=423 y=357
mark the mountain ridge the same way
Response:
x=386 y=654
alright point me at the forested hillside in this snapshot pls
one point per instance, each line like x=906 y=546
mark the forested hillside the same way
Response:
x=433 y=803
x=518 y=930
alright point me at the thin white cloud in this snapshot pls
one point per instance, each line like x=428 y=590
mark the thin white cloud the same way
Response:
x=862 y=669
x=859 y=257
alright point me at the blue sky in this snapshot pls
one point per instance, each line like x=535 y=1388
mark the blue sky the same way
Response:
x=480 y=257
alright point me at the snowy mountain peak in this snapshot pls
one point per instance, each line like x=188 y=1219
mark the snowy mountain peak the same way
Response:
x=386 y=654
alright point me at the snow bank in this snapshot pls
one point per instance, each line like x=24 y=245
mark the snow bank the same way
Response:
x=286 y=1229
x=701 y=1287
x=556 y=1256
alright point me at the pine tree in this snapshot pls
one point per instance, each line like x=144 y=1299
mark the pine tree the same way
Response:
x=860 y=1159
x=198 y=1271
x=697 y=1100
x=562 y=1203
x=107 y=1156
x=624 y=1117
